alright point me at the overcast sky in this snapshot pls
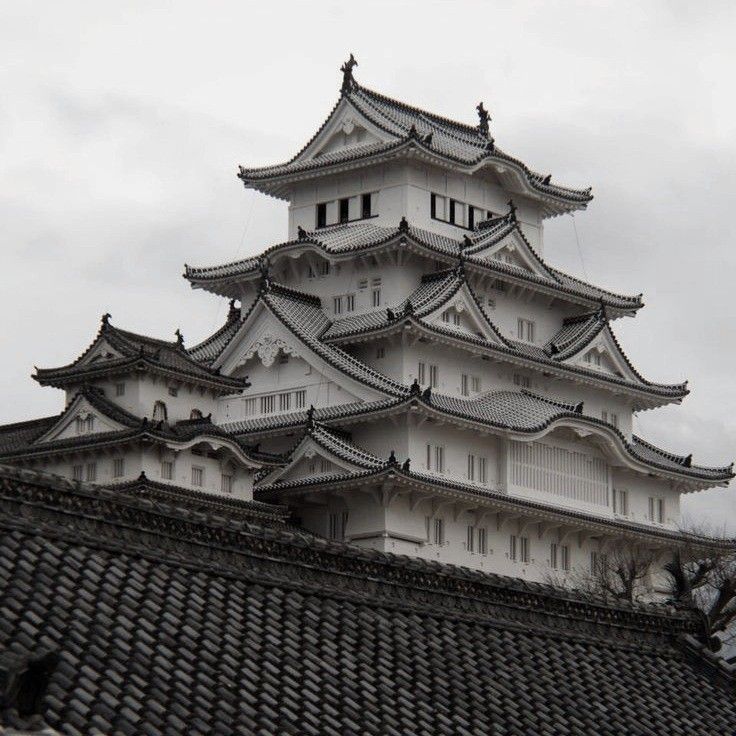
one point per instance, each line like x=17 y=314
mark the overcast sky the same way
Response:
x=121 y=126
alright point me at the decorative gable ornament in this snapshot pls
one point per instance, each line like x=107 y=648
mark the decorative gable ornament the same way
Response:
x=267 y=347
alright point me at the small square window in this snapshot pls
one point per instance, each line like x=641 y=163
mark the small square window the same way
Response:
x=197 y=476
x=119 y=389
x=167 y=470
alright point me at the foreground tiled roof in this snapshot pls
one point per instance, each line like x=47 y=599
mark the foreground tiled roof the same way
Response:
x=135 y=352
x=161 y=621
x=408 y=127
x=352 y=238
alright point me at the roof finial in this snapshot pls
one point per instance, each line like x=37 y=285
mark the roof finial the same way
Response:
x=512 y=210
x=484 y=118
x=233 y=311
x=403 y=225
x=265 y=267
x=301 y=233
x=179 y=337
x=392 y=461
x=347 y=74
x=310 y=417
x=406 y=467
x=106 y=318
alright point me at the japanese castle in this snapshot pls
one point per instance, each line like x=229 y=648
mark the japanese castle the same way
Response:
x=406 y=373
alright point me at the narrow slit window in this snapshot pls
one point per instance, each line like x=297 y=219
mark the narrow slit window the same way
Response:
x=365 y=206
x=322 y=215
x=344 y=210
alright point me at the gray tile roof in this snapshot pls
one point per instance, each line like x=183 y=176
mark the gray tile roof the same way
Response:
x=137 y=352
x=163 y=621
x=343 y=448
x=356 y=237
x=409 y=126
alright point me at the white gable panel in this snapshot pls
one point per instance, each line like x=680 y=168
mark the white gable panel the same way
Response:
x=81 y=419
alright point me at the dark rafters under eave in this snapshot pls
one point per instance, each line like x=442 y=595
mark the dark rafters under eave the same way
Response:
x=344 y=240
x=409 y=128
x=132 y=353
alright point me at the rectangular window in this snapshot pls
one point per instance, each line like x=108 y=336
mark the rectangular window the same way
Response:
x=522 y=381
x=482 y=541
x=464 y=385
x=513 y=547
x=79 y=422
x=553 y=555
x=438 y=207
x=90 y=423
x=594 y=562
x=439 y=459
x=376 y=281
x=338 y=522
x=380 y=353
x=452 y=212
x=284 y=402
x=167 y=470
x=482 y=472
x=249 y=407
x=471 y=218
x=421 y=374
x=322 y=214
x=268 y=404
x=446 y=315
x=434 y=376
x=524 y=549
x=350 y=303
x=471 y=467
x=363 y=284
x=565 y=557
x=470 y=539
x=610 y=417
x=620 y=502
x=78 y=472
x=337 y=304
x=226 y=483
x=439 y=531
x=197 y=476
x=300 y=399
x=344 y=210
x=324 y=268
x=376 y=297
x=656 y=510
x=525 y=330
x=118 y=467
x=429 y=457
x=475 y=384
x=119 y=389
x=365 y=206
x=91 y=472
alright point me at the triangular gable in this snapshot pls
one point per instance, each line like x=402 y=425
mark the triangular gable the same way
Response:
x=81 y=419
x=346 y=128
x=514 y=250
x=263 y=336
x=604 y=354
x=309 y=459
x=461 y=312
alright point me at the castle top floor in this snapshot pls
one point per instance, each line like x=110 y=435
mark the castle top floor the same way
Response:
x=375 y=157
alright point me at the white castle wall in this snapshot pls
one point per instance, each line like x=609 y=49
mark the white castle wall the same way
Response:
x=404 y=190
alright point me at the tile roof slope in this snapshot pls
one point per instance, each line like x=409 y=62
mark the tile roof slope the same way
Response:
x=207 y=350
x=168 y=356
x=343 y=448
x=302 y=314
x=355 y=237
x=457 y=142
x=168 y=622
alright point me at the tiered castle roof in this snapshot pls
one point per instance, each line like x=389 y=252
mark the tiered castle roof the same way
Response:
x=410 y=131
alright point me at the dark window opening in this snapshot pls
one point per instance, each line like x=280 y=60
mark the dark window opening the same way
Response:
x=471 y=218
x=322 y=215
x=366 y=205
x=433 y=206
x=344 y=210
x=452 y=211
